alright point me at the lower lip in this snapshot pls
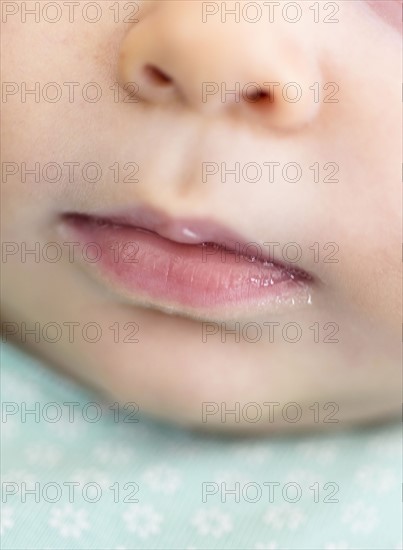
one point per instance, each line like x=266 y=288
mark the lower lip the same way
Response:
x=200 y=280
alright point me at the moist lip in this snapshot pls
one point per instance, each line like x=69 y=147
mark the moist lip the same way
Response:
x=185 y=265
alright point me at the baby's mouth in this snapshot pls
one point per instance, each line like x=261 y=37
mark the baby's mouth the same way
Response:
x=194 y=268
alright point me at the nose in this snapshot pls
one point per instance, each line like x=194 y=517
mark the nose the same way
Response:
x=177 y=55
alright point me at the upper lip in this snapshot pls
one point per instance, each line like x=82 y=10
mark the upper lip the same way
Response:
x=194 y=231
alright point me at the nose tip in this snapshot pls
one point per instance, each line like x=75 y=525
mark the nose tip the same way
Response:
x=263 y=75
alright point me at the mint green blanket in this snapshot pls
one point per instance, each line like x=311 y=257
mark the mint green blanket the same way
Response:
x=77 y=476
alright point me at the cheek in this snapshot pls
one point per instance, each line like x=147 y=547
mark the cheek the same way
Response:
x=389 y=10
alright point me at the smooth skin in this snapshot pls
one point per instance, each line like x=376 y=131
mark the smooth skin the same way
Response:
x=170 y=372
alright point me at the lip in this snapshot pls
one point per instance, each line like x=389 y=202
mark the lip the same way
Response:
x=194 y=268
x=389 y=10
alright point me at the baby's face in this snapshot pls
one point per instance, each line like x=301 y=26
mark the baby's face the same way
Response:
x=238 y=176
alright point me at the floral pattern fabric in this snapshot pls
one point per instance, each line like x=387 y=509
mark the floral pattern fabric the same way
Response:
x=76 y=475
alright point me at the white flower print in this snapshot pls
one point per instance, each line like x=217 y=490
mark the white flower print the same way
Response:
x=65 y=429
x=113 y=454
x=322 y=453
x=230 y=477
x=10 y=427
x=253 y=453
x=68 y=521
x=303 y=477
x=373 y=478
x=6 y=519
x=46 y=455
x=284 y=517
x=387 y=444
x=361 y=517
x=19 y=476
x=144 y=521
x=91 y=475
x=162 y=479
x=28 y=393
x=212 y=522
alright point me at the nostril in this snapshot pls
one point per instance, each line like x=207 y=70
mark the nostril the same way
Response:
x=260 y=97
x=260 y=102
x=156 y=76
